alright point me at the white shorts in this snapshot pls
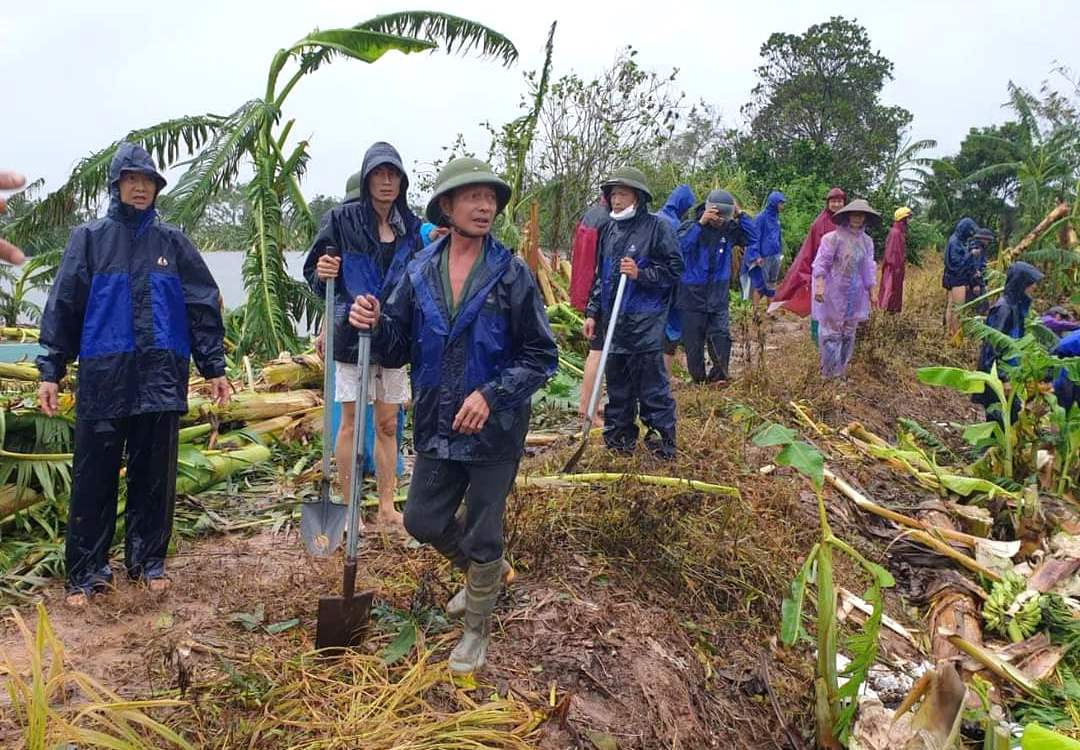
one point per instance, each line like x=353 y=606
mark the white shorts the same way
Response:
x=387 y=384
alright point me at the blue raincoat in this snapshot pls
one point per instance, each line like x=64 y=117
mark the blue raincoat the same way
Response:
x=706 y=254
x=959 y=267
x=1067 y=392
x=499 y=344
x=353 y=229
x=678 y=203
x=768 y=240
x=134 y=301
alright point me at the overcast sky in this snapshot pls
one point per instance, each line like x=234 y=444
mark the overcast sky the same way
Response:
x=78 y=75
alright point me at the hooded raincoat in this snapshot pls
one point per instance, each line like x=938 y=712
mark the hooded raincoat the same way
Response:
x=845 y=261
x=499 y=343
x=795 y=292
x=678 y=203
x=353 y=229
x=701 y=297
x=1066 y=391
x=891 y=292
x=958 y=259
x=134 y=302
x=1009 y=314
x=761 y=261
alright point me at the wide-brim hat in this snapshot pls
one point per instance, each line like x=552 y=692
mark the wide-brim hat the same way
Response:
x=460 y=172
x=857 y=206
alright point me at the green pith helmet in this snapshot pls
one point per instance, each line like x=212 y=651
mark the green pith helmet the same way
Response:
x=354 y=187
x=458 y=173
x=627 y=177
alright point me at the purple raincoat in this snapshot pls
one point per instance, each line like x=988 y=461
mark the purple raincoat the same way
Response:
x=846 y=261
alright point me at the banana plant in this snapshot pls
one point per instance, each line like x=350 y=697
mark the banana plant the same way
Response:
x=256 y=136
x=835 y=705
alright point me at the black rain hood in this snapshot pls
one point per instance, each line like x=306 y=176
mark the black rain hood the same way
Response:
x=130 y=157
x=1019 y=277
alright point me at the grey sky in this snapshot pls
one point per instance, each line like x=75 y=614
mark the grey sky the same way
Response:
x=80 y=74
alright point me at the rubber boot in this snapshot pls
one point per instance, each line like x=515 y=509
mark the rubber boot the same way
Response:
x=482 y=585
x=455 y=608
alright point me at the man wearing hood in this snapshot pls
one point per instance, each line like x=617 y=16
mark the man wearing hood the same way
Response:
x=761 y=261
x=134 y=302
x=643 y=247
x=377 y=235
x=795 y=291
x=676 y=206
x=701 y=297
x=958 y=269
x=1008 y=315
x=978 y=247
x=891 y=290
x=469 y=318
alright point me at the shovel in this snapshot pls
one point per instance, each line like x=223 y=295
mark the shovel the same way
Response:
x=594 y=397
x=322 y=522
x=343 y=619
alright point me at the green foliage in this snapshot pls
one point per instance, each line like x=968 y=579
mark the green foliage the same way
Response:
x=824 y=87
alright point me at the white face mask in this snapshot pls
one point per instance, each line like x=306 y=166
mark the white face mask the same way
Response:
x=626 y=213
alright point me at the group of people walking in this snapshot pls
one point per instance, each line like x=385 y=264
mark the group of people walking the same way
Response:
x=134 y=303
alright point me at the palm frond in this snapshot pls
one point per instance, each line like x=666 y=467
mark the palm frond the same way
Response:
x=525 y=128
x=994 y=170
x=453 y=33
x=1054 y=256
x=1020 y=102
x=267 y=329
x=215 y=168
x=298 y=214
x=88 y=183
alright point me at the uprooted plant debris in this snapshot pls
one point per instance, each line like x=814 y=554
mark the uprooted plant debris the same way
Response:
x=818 y=558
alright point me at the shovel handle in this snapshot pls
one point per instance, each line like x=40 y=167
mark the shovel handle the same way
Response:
x=328 y=379
x=609 y=334
x=363 y=357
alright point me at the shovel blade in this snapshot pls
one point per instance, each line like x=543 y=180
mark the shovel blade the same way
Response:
x=343 y=621
x=322 y=526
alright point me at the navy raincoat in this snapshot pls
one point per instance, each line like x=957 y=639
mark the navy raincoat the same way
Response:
x=499 y=343
x=1009 y=313
x=1067 y=392
x=766 y=231
x=706 y=254
x=959 y=267
x=651 y=242
x=134 y=302
x=353 y=229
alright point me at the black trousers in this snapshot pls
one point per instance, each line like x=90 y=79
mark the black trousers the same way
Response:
x=151 y=441
x=701 y=330
x=639 y=382
x=437 y=490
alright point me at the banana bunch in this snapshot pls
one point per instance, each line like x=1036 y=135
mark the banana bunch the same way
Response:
x=1011 y=609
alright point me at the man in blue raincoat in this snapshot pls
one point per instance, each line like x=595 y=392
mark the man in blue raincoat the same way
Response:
x=678 y=203
x=469 y=318
x=761 y=262
x=134 y=302
x=956 y=275
x=643 y=247
x=377 y=234
x=1066 y=390
x=701 y=296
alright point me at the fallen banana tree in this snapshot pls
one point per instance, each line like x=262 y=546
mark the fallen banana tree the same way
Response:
x=569 y=480
x=197 y=470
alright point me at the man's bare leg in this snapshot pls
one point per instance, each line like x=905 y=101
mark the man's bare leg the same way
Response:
x=386 y=453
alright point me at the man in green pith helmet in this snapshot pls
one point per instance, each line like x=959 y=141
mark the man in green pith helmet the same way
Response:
x=468 y=317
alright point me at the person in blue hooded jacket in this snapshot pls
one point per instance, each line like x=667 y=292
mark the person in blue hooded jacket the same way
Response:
x=469 y=318
x=761 y=262
x=1066 y=390
x=377 y=234
x=958 y=271
x=642 y=246
x=675 y=208
x=701 y=296
x=1008 y=315
x=134 y=302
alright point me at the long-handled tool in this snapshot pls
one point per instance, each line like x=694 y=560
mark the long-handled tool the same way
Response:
x=594 y=397
x=343 y=619
x=322 y=522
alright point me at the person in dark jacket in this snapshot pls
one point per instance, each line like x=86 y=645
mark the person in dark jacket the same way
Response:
x=643 y=247
x=1066 y=390
x=701 y=297
x=673 y=211
x=134 y=302
x=1008 y=315
x=957 y=272
x=978 y=246
x=377 y=234
x=469 y=318
x=761 y=262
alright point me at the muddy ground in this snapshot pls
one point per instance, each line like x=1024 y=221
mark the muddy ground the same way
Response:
x=655 y=628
